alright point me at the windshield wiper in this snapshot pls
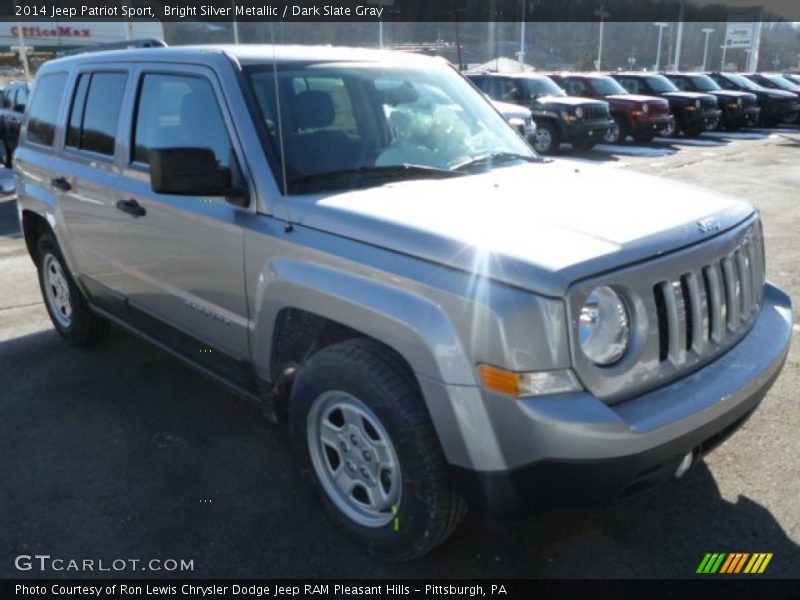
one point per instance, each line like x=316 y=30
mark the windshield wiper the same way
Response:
x=494 y=157
x=402 y=171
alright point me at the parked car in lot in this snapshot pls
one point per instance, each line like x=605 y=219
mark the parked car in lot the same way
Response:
x=641 y=117
x=776 y=105
x=738 y=108
x=774 y=81
x=559 y=118
x=12 y=107
x=793 y=77
x=694 y=113
x=440 y=316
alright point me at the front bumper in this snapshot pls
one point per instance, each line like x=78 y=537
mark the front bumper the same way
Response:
x=573 y=449
x=707 y=119
x=592 y=130
x=655 y=124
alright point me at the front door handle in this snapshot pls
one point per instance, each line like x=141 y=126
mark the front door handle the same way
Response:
x=132 y=207
x=61 y=183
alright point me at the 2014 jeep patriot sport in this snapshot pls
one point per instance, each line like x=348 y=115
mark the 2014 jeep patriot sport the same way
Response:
x=373 y=254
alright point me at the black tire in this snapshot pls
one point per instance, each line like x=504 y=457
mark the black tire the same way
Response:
x=618 y=134
x=584 y=145
x=734 y=126
x=546 y=140
x=6 y=155
x=644 y=137
x=84 y=327
x=693 y=131
x=429 y=510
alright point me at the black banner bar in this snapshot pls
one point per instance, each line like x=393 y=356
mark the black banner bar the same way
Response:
x=399 y=10
x=729 y=588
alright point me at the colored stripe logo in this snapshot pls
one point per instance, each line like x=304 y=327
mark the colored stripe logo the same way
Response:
x=734 y=563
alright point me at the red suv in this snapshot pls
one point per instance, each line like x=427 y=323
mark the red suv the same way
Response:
x=641 y=117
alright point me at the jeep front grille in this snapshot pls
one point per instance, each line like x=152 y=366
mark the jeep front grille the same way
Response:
x=699 y=310
x=686 y=308
x=596 y=112
x=709 y=103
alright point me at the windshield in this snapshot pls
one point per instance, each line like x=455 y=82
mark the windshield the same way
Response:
x=606 y=86
x=541 y=86
x=660 y=84
x=367 y=118
x=704 y=83
x=782 y=83
x=742 y=81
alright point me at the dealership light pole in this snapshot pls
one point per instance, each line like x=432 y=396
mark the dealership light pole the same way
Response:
x=708 y=31
x=603 y=14
x=661 y=27
x=23 y=51
x=522 y=39
x=235 y=24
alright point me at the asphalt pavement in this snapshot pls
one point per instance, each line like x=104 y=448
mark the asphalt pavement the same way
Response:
x=122 y=452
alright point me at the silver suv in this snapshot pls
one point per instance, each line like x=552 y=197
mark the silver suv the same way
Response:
x=360 y=243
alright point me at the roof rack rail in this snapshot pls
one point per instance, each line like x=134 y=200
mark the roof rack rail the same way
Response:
x=122 y=45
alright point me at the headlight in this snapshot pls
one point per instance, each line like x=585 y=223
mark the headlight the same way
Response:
x=645 y=108
x=697 y=103
x=604 y=327
x=579 y=112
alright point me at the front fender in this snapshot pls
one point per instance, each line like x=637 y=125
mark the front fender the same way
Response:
x=413 y=326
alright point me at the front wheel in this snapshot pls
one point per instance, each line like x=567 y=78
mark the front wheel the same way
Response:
x=693 y=131
x=362 y=435
x=546 y=139
x=68 y=309
x=5 y=155
x=671 y=129
x=616 y=134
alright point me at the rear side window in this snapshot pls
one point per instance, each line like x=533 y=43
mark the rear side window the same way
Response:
x=47 y=97
x=8 y=98
x=179 y=111
x=94 y=116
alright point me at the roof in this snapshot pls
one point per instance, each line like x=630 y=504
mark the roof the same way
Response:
x=502 y=64
x=251 y=54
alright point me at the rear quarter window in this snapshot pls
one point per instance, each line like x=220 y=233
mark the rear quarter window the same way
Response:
x=47 y=97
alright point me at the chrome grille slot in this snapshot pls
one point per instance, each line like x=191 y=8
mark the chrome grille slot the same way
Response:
x=731 y=292
x=705 y=309
x=698 y=313
x=743 y=265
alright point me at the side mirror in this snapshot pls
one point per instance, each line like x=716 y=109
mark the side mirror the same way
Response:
x=20 y=108
x=194 y=172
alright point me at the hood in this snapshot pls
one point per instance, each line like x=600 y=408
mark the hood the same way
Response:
x=511 y=110
x=568 y=100
x=729 y=94
x=688 y=95
x=635 y=99
x=773 y=93
x=537 y=226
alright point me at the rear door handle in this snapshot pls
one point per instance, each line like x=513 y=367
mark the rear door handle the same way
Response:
x=132 y=207
x=61 y=183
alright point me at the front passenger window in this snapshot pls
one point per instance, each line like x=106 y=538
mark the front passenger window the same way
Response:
x=179 y=111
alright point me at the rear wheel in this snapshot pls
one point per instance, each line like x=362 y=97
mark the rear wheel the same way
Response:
x=68 y=309
x=546 y=139
x=362 y=435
